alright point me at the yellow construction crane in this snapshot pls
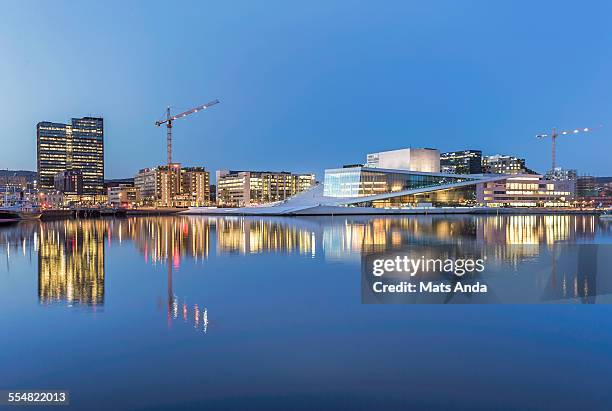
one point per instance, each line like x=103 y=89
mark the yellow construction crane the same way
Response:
x=170 y=119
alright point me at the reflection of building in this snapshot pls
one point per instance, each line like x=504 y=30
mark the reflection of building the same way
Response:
x=244 y=188
x=173 y=187
x=413 y=159
x=248 y=236
x=79 y=145
x=163 y=239
x=461 y=162
x=71 y=262
x=502 y=164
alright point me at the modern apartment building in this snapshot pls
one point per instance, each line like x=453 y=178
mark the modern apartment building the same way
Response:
x=461 y=162
x=173 y=186
x=79 y=145
x=245 y=188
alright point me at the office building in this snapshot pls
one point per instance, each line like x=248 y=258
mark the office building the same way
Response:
x=146 y=184
x=461 y=162
x=526 y=190
x=562 y=174
x=79 y=145
x=502 y=164
x=173 y=186
x=246 y=188
x=69 y=181
x=586 y=186
x=123 y=195
x=412 y=159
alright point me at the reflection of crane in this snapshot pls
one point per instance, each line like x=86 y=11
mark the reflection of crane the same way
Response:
x=556 y=134
x=170 y=119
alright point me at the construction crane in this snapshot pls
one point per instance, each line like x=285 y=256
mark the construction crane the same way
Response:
x=170 y=119
x=554 y=134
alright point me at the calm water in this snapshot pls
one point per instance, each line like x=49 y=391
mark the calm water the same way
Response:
x=266 y=313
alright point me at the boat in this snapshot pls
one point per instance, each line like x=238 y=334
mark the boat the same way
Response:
x=8 y=217
x=23 y=211
x=607 y=215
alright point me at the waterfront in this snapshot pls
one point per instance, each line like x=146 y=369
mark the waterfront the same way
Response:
x=245 y=312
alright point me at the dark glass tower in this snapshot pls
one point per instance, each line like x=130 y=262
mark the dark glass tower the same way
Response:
x=461 y=162
x=79 y=145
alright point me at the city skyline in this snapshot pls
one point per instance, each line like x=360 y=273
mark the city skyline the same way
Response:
x=304 y=100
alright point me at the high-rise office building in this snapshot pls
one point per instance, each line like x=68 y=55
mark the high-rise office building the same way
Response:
x=461 y=162
x=79 y=145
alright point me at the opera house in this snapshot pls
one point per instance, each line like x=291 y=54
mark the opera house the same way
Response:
x=409 y=181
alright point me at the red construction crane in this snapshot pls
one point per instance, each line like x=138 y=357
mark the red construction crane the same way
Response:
x=170 y=119
x=556 y=134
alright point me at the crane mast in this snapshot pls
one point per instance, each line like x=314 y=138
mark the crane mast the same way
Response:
x=169 y=136
x=169 y=120
x=553 y=136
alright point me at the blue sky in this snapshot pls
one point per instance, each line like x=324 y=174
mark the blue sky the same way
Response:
x=306 y=86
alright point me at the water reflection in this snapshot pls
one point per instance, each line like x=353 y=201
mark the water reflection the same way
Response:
x=71 y=263
x=71 y=254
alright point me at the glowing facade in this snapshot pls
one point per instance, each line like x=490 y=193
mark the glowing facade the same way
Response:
x=245 y=188
x=412 y=159
x=173 y=187
x=79 y=145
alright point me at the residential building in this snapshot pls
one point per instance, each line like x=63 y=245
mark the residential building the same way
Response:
x=503 y=164
x=79 y=145
x=245 y=188
x=173 y=186
x=461 y=162
x=412 y=159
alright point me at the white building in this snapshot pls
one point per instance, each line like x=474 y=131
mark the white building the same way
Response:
x=412 y=159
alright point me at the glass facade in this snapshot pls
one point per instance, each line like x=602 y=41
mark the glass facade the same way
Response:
x=461 y=162
x=79 y=145
x=464 y=196
x=362 y=181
